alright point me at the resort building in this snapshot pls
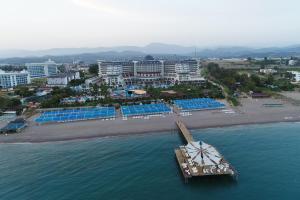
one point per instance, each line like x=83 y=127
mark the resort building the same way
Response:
x=113 y=75
x=62 y=80
x=149 y=72
x=92 y=80
x=13 y=79
x=41 y=70
x=8 y=115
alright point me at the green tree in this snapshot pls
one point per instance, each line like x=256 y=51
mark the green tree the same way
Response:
x=76 y=82
x=94 y=69
x=23 y=91
x=10 y=103
x=104 y=90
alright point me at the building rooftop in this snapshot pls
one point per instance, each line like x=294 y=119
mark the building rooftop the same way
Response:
x=63 y=75
x=13 y=72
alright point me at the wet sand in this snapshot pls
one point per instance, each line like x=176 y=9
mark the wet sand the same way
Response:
x=252 y=112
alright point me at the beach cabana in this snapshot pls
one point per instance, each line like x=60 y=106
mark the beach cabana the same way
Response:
x=15 y=126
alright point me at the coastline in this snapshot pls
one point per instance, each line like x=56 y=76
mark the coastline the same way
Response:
x=119 y=135
x=249 y=114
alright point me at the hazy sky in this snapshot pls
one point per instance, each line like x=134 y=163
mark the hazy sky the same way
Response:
x=41 y=24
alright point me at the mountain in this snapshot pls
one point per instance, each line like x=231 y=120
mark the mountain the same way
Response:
x=153 y=48
x=160 y=50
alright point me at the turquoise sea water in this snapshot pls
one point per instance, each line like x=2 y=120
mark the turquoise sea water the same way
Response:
x=144 y=167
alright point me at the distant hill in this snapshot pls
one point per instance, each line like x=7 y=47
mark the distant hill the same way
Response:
x=243 y=52
x=90 y=58
x=154 y=48
x=159 y=50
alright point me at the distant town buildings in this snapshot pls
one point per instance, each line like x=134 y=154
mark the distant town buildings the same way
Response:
x=13 y=79
x=233 y=63
x=149 y=72
x=62 y=80
x=292 y=62
x=268 y=71
x=41 y=70
x=296 y=75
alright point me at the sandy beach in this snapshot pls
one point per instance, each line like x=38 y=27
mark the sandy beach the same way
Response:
x=252 y=111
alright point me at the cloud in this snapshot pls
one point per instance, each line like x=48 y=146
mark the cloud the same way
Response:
x=99 y=6
x=130 y=10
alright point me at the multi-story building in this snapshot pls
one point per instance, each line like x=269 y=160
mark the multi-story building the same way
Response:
x=114 y=76
x=183 y=72
x=41 y=70
x=62 y=80
x=13 y=79
x=149 y=72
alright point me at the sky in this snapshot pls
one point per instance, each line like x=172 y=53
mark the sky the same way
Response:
x=43 y=24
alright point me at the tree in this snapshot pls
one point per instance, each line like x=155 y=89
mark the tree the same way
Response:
x=56 y=95
x=256 y=80
x=23 y=91
x=9 y=103
x=82 y=75
x=94 y=69
x=76 y=82
x=95 y=90
x=270 y=80
x=104 y=90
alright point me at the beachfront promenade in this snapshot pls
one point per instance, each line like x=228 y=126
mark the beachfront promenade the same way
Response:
x=198 y=159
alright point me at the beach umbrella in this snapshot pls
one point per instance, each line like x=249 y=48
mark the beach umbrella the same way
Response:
x=203 y=154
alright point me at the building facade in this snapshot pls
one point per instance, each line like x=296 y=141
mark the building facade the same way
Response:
x=13 y=79
x=62 y=80
x=149 y=72
x=42 y=70
x=93 y=80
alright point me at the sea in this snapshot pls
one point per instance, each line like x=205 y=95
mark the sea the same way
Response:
x=267 y=158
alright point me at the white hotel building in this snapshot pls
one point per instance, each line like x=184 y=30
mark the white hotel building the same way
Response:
x=13 y=79
x=150 y=72
x=62 y=80
x=42 y=70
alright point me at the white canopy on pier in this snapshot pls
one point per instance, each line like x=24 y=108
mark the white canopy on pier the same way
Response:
x=203 y=154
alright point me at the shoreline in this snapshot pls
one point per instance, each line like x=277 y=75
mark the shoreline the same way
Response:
x=251 y=113
x=156 y=132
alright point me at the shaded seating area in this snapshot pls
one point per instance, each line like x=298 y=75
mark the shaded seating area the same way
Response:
x=147 y=109
x=15 y=126
x=198 y=104
x=69 y=115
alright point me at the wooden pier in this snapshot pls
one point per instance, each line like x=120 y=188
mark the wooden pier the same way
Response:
x=184 y=131
x=199 y=164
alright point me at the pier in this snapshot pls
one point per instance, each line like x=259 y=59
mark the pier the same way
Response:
x=185 y=132
x=198 y=159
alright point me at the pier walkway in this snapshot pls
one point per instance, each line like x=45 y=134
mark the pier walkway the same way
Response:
x=184 y=131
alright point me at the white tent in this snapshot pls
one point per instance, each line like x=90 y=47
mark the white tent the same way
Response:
x=203 y=154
